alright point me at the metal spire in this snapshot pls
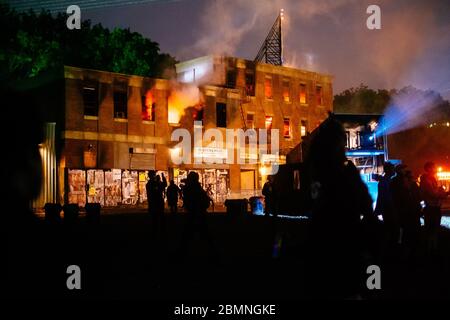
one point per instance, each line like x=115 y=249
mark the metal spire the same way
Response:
x=272 y=49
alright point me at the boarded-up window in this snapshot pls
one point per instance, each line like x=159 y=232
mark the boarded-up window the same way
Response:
x=268 y=88
x=303 y=93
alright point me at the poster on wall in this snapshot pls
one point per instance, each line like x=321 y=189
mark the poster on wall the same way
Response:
x=143 y=176
x=95 y=186
x=222 y=186
x=130 y=187
x=77 y=187
x=113 y=187
x=210 y=183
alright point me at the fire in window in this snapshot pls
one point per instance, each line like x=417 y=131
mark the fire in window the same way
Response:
x=148 y=107
x=287 y=127
x=319 y=95
x=303 y=93
x=121 y=100
x=268 y=88
x=90 y=99
x=286 y=91
x=269 y=120
x=303 y=128
x=198 y=114
x=250 y=121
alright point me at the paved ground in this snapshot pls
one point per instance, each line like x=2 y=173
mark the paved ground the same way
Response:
x=122 y=258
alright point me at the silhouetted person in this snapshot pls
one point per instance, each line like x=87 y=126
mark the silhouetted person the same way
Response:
x=155 y=199
x=432 y=195
x=385 y=205
x=196 y=202
x=269 y=197
x=164 y=183
x=172 y=196
x=339 y=198
x=405 y=194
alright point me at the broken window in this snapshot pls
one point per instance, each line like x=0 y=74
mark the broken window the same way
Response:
x=319 y=95
x=120 y=100
x=250 y=84
x=198 y=114
x=269 y=120
x=302 y=93
x=287 y=127
x=250 y=121
x=231 y=78
x=221 y=115
x=303 y=127
x=148 y=108
x=90 y=99
x=286 y=91
x=268 y=88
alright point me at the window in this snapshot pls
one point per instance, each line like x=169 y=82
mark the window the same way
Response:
x=250 y=84
x=319 y=95
x=221 y=115
x=303 y=128
x=268 y=88
x=286 y=91
x=303 y=93
x=148 y=108
x=90 y=100
x=250 y=121
x=120 y=100
x=231 y=78
x=269 y=120
x=198 y=114
x=287 y=127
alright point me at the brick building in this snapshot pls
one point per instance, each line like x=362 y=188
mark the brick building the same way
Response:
x=113 y=128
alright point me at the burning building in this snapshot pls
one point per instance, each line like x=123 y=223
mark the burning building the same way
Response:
x=108 y=130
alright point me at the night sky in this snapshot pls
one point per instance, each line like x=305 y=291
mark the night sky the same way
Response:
x=330 y=36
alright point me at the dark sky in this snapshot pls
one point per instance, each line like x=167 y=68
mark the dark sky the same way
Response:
x=413 y=46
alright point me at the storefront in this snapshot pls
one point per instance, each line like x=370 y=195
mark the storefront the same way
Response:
x=110 y=188
x=214 y=181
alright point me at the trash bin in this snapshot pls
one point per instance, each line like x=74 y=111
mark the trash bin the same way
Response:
x=93 y=212
x=52 y=212
x=71 y=212
x=236 y=207
x=256 y=205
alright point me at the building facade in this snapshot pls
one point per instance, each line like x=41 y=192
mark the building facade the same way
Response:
x=114 y=128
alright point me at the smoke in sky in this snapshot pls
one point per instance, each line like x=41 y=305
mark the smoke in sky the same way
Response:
x=329 y=36
x=410 y=108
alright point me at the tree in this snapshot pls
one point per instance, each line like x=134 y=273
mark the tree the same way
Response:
x=362 y=100
x=34 y=43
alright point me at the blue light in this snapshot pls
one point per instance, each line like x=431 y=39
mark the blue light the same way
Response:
x=364 y=153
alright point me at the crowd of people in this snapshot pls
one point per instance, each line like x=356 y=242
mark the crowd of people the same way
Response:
x=402 y=201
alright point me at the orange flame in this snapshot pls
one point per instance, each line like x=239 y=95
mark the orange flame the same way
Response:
x=148 y=106
x=179 y=99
